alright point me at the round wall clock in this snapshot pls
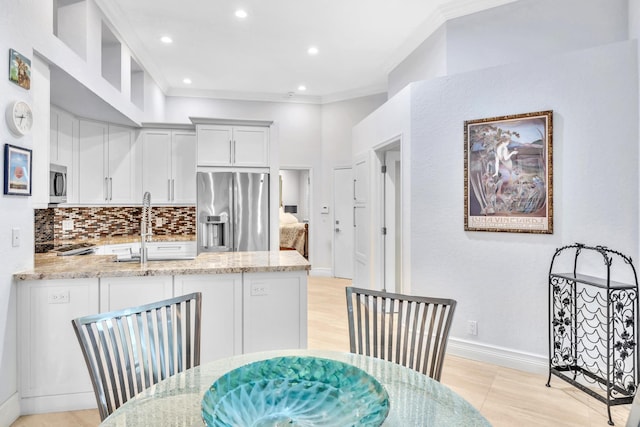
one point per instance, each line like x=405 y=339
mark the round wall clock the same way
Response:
x=19 y=117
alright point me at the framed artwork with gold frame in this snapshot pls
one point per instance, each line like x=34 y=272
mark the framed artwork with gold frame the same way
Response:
x=508 y=179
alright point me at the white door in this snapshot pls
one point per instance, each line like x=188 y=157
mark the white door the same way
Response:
x=391 y=222
x=343 y=223
x=121 y=165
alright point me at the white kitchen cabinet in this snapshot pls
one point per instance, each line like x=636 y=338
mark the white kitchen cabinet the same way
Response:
x=51 y=365
x=223 y=145
x=117 y=293
x=221 y=312
x=107 y=164
x=63 y=137
x=274 y=311
x=169 y=165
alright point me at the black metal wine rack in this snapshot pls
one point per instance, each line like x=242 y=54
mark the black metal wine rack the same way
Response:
x=593 y=324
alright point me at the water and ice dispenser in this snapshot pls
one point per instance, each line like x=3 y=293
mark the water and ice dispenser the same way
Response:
x=214 y=233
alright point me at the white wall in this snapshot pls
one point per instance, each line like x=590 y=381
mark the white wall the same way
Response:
x=530 y=29
x=15 y=211
x=427 y=61
x=515 y=32
x=500 y=279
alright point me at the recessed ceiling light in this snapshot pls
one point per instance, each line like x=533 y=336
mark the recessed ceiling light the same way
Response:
x=241 y=14
x=166 y=39
x=312 y=50
x=186 y=81
x=302 y=88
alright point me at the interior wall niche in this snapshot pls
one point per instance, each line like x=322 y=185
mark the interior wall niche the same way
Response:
x=137 y=84
x=70 y=24
x=111 y=58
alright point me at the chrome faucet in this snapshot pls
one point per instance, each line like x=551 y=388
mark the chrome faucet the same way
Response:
x=145 y=226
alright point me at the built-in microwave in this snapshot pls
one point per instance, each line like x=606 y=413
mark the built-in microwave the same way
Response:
x=57 y=183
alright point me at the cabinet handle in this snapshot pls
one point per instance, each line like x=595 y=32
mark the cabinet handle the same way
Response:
x=354 y=189
x=106 y=189
x=354 y=217
x=169 y=189
x=173 y=190
x=230 y=152
x=234 y=151
x=110 y=188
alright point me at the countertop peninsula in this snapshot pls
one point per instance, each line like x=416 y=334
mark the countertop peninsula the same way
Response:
x=51 y=266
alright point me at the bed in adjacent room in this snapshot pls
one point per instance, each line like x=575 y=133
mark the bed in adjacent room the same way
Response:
x=294 y=235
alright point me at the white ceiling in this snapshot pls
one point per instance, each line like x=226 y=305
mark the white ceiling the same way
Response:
x=265 y=55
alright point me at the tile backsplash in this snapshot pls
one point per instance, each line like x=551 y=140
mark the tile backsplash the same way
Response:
x=91 y=223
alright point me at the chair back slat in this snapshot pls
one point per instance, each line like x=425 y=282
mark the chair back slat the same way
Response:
x=409 y=330
x=127 y=351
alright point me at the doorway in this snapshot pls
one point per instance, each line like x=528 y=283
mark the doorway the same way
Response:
x=391 y=217
x=295 y=202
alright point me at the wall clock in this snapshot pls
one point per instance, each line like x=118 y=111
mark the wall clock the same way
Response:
x=19 y=117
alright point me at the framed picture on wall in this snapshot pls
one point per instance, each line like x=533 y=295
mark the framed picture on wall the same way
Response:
x=508 y=177
x=17 y=170
x=19 y=69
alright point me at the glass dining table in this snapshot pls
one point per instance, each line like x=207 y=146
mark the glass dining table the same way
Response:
x=414 y=398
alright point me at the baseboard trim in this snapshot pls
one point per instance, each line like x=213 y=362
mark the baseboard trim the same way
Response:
x=57 y=403
x=500 y=356
x=10 y=410
x=322 y=272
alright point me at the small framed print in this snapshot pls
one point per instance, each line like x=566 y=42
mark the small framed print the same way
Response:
x=508 y=173
x=17 y=170
x=19 y=69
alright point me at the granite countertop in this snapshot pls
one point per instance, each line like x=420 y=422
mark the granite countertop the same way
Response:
x=51 y=266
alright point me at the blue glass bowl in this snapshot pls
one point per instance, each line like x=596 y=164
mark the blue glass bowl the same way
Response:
x=295 y=391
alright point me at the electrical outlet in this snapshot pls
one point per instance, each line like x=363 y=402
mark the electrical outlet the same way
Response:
x=158 y=222
x=472 y=327
x=58 y=297
x=67 y=225
x=259 y=289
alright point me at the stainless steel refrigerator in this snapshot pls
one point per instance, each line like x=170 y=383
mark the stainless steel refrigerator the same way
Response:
x=233 y=211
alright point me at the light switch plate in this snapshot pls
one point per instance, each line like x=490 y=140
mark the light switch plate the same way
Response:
x=15 y=237
x=67 y=225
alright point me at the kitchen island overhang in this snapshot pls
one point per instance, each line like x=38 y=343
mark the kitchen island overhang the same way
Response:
x=50 y=266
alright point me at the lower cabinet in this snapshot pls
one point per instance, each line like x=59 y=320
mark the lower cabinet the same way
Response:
x=274 y=311
x=51 y=364
x=221 y=312
x=117 y=293
x=241 y=313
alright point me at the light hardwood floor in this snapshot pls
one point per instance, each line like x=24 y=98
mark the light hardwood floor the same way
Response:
x=506 y=397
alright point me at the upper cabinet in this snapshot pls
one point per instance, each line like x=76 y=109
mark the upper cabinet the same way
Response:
x=106 y=164
x=63 y=143
x=169 y=165
x=226 y=145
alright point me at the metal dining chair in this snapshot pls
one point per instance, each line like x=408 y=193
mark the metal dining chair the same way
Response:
x=129 y=350
x=409 y=330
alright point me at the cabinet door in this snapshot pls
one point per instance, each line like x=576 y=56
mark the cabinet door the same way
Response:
x=221 y=312
x=92 y=178
x=214 y=145
x=121 y=156
x=250 y=146
x=51 y=362
x=183 y=167
x=275 y=311
x=156 y=165
x=117 y=293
